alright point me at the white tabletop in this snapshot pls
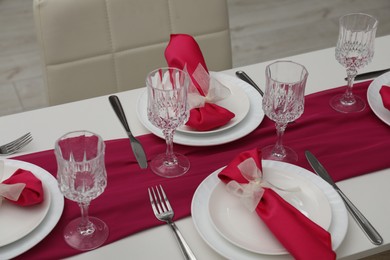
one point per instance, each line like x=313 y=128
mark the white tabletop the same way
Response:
x=370 y=192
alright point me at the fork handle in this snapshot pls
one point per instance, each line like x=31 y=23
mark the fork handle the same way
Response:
x=185 y=248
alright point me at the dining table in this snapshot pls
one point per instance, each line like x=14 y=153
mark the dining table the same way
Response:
x=370 y=192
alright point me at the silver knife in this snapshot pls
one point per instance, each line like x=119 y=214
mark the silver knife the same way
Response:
x=363 y=223
x=138 y=150
x=370 y=75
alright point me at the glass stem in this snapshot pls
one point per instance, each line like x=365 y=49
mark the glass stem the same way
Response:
x=170 y=156
x=279 y=150
x=348 y=98
x=85 y=227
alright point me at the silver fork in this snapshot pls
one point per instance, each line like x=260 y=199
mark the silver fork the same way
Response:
x=16 y=145
x=163 y=211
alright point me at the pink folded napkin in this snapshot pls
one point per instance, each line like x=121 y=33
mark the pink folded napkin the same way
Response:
x=32 y=193
x=385 y=94
x=209 y=117
x=303 y=238
x=183 y=52
x=78 y=151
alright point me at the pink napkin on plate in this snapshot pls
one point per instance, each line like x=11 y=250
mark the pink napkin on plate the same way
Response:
x=303 y=238
x=183 y=52
x=32 y=193
x=385 y=94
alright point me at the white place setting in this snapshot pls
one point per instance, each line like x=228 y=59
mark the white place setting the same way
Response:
x=247 y=118
x=22 y=228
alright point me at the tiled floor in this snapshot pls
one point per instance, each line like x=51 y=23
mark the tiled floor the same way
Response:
x=260 y=30
x=263 y=30
x=21 y=85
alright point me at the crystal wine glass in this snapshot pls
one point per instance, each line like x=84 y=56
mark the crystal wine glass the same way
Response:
x=283 y=102
x=81 y=178
x=167 y=110
x=354 y=50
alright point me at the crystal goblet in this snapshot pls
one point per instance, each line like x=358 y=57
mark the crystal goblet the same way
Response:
x=354 y=50
x=283 y=102
x=81 y=178
x=168 y=109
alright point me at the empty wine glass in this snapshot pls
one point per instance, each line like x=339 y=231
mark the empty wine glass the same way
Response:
x=167 y=110
x=354 y=50
x=81 y=178
x=283 y=102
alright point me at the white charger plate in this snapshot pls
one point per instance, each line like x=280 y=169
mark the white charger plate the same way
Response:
x=17 y=221
x=53 y=215
x=201 y=217
x=237 y=103
x=250 y=122
x=375 y=99
x=243 y=228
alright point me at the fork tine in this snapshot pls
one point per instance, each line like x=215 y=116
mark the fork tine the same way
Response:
x=152 y=202
x=28 y=135
x=156 y=201
x=22 y=141
x=160 y=198
x=20 y=145
x=165 y=199
x=16 y=141
x=14 y=146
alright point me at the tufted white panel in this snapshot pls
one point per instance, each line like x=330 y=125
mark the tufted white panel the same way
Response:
x=97 y=47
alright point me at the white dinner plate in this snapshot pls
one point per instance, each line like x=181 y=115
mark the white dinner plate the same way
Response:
x=32 y=236
x=237 y=102
x=246 y=126
x=17 y=221
x=375 y=99
x=203 y=224
x=243 y=228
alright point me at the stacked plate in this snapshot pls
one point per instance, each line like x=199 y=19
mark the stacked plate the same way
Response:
x=375 y=99
x=236 y=233
x=24 y=227
x=245 y=102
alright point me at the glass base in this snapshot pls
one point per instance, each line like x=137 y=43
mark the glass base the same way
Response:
x=90 y=239
x=289 y=156
x=164 y=168
x=339 y=104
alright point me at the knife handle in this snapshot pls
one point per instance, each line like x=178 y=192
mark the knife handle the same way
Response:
x=370 y=75
x=117 y=106
x=242 y=75
x=363 y=223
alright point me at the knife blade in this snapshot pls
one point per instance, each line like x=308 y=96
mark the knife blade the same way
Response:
x=370 y=75
x=363 y=223
x=136 y=146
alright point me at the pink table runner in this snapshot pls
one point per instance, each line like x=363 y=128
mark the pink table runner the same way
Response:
x=347 y=145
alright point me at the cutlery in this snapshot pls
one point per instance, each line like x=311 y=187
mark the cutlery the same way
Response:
x=135 y=144
x=363 y=223
x=370 y=75
x=16 y=145
x=242 y=75
x=163 y=211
